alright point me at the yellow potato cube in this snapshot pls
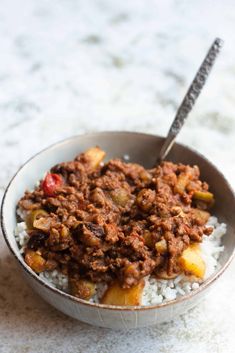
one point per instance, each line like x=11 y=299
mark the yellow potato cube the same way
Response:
x=161 y=246
x=200 y=215
x=116 y=295
x=94 y=156
x=35 y=261
x=181 y=184
x=191 y=261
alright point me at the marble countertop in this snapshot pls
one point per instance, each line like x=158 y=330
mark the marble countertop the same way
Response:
x=73 y=66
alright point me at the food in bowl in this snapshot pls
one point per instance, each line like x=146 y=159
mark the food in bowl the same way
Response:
x=120 y=234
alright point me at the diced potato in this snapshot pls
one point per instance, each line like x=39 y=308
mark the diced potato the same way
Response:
x=120 y=197
x=33 y=216
x=181 y=184
x=82 y=288
x=191 y=261
x=205 y=196
x=35 y=261
x=64 y=231
x=161 y=246
x=94 y=156
x=43 y=223
x=177 y=211
x=148 y=240
x=116 y=295
x=200 y=215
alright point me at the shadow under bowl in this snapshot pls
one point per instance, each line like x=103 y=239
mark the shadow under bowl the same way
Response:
x=141 y=148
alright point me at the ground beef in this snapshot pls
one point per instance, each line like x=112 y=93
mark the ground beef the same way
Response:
x=118 y=221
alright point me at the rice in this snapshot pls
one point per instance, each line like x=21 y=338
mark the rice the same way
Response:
x=56 y=279
x=155 y=291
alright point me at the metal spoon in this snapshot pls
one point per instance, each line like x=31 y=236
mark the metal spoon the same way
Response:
x=190 y=98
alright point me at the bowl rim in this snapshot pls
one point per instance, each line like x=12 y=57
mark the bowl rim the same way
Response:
x=65 y=295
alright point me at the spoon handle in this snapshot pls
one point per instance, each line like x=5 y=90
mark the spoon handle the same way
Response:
x=190 y=97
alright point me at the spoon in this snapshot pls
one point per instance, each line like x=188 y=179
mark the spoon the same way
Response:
x=190 y=98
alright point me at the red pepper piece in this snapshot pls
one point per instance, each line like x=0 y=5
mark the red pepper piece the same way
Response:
x=51 y=183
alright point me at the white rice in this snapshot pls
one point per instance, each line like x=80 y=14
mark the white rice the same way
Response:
x=155 y=291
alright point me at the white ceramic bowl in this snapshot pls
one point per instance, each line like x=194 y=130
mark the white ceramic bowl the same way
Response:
x=142 y=148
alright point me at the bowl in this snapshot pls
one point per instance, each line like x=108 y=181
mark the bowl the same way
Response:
x=141 y=148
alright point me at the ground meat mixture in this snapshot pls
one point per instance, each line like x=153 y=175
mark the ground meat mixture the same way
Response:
x=115 y=221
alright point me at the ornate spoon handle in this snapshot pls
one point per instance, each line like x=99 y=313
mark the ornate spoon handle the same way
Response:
x=190 y=97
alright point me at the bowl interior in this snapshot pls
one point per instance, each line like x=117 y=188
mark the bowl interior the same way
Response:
x=141 y=148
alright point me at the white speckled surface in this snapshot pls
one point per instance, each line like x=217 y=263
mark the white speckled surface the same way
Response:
x=72 y=66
